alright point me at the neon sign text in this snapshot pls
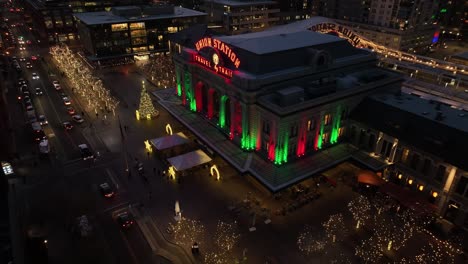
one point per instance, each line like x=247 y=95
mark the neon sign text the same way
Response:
x=327 y=27
x=218 y=69
x=219 y=45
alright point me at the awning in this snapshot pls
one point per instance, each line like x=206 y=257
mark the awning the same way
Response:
x=370 y=178
x=189 y=160
x=169 y=141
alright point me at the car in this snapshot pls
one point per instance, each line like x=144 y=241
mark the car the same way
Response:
x=78 y=119
x=195 y=248
x=43 y=120
x=71 y=110
x=63 y=95
x=35 y=76
x=38 y=91
x=85 y=152
x=22 y=58
x=28 y=65
x=66 y=101
x=18 y=68
x=106 y=190
x=29 y=42
x=67 y=125
x=21 y=81
x=33 y=58
x=22 y=47
x=125 y=220
x=57 y=85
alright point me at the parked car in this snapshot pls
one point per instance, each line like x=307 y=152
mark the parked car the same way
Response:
x=67 y=125
x=66 y=101
x=35 y=76
x=78 y=119
x=71 y=110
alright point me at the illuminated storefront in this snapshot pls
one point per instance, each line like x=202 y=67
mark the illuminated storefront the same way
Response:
x=258 y=92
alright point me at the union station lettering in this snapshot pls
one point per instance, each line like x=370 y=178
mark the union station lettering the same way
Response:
x=218 y=69
x=218 y=45
x=327 y=27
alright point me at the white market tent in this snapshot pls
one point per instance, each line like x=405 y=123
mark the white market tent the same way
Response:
x=189 y=160
x=167 y=142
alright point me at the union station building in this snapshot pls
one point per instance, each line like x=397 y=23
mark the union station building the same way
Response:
x=283 y=105
x=281 y=95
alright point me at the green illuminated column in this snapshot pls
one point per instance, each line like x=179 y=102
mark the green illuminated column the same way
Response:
x=336 y=126
x=319 y=135
x=179 y=84
x=189 y=91
x=222 y=111
x=282 y=148
x=245 y=139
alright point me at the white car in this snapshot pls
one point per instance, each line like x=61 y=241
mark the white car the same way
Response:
x=35 y=76
x=57 y=85
x=78 y=119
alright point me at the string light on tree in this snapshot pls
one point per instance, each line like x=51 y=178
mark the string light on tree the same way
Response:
x=146 y=109
x=311 y=241
x=187 y=231
x=360 y=209
x=335 y=228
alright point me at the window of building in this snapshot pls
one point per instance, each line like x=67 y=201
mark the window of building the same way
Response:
x=310 y=125
x=461 y=186
x=266 y=127
x=327 y=119
x=293 y=130
x=138 y=33
x=325 y=138
x=427 y=166
x=415 y=161
x=139 y=25
x=48 y=22
x=58 y=23
x=160 y=38
x=119 y=27
x=404 y=155
x=172 y=29
x=341 y=131
x=440 y=174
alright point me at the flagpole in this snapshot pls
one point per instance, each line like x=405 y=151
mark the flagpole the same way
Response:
x=124 y=149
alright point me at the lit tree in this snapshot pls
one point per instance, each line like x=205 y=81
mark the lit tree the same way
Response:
x=311 y=241
x=360 y=209
x=226 y=235
x=393 y=232
x=369 y=251
x=146 y=109
x=335 y=228
x=187 y=231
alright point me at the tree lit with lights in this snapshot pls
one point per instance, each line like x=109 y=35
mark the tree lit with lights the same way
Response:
x=311 y=241
x=225 y=238
x=187 y=231
x=335 y=228
x=360 y=209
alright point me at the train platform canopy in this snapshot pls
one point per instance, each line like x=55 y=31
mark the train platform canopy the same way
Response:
x=168 y=142
x=189 y=160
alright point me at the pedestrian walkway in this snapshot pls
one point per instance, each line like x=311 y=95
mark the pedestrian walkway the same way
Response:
x=272 y=176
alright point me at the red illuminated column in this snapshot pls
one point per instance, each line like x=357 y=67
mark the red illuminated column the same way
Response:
x=199 y=96
x=211 y=102
x=272 y=142
x=302 y=138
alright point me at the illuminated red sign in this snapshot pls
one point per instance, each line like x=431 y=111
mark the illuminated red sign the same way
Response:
x=220 y=46
x=218 y=69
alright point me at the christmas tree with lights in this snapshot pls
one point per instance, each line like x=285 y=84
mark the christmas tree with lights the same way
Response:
x=146 y=109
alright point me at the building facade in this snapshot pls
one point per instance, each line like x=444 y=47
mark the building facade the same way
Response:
x=426 y=144
x=132 y=30
x=53 y=20
x=402 y=25
x=237 y=17
x=263 y=100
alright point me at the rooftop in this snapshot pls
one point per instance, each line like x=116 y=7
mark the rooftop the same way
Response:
x=243 y=3
x=461 y=55
x=103 y=17
x=265 y=42
x=428 y=125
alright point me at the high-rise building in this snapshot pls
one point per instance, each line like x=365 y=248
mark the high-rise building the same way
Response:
x=452 y=16
x=53 y=19
x=240 y=16
x=406 y=25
